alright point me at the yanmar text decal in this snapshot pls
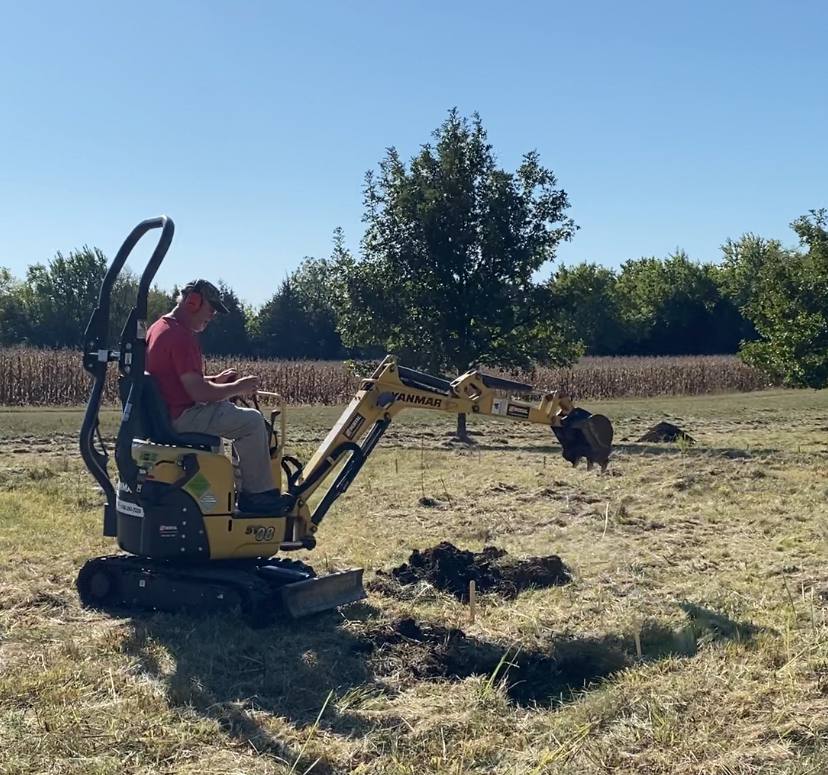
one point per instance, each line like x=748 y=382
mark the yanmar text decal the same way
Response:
x=410 y=398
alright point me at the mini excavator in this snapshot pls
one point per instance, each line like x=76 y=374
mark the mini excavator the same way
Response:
x=172 y=509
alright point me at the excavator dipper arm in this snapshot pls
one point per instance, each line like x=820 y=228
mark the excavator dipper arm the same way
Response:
x=392 y=388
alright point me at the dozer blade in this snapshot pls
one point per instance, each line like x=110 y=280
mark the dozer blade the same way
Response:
x=585 y=435
x=322 y=593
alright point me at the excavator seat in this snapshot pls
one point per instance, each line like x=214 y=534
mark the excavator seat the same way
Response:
x=156 y=426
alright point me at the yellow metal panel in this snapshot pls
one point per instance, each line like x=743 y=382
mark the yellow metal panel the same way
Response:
x=212 y=487
x=246 y=537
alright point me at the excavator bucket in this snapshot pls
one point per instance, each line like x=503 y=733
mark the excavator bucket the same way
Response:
x=585 y=435
x=322 y=593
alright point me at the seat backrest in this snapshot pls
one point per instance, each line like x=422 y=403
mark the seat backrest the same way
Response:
x=155 y=416
x=156 y=425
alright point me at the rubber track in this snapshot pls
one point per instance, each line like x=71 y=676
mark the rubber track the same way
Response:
x=226 y=588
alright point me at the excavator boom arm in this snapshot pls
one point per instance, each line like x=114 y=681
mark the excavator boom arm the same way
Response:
x=392 y=388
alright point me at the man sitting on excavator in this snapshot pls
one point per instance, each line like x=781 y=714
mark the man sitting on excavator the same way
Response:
x=199 y=404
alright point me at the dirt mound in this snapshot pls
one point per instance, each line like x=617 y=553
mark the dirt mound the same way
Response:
x=665 y=431
x=530 y=676
x=451 y=569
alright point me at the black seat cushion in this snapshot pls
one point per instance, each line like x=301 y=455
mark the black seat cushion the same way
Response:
x=155 y=420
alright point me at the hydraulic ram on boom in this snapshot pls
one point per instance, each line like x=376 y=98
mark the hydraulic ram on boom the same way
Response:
x=392 y=388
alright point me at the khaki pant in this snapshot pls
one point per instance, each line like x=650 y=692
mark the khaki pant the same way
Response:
x=246 y=429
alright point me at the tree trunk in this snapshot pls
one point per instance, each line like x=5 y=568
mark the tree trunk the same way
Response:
x=462 y=434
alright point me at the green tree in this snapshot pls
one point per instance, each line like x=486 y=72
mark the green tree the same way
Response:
x=60 y=297
x=585 y=296
x=124 y=296
x=317 y=287
x=285 y=327
x=228 y=334
x=727 y=325
x=669 y=307
x=738 y=273
x=452 y=244
x=788 y=305
x=54 y=304
x=742 y=263
x=15 y=325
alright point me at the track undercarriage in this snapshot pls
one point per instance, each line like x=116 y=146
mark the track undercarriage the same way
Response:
x=262 y=589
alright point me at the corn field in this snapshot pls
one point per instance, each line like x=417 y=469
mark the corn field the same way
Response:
x=35 y=377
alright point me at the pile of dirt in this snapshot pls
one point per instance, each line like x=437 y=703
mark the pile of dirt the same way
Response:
x=451 y=569
x=530 y=676
x=665 y=431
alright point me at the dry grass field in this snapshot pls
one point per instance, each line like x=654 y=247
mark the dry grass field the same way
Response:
x=692 y=637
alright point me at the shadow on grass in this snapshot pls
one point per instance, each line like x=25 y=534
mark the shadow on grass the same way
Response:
x=554 y=675
x=246 y=679
x=695 y=451
x=638 y=448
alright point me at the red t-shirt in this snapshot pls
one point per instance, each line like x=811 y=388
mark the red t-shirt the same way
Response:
x=173 y=350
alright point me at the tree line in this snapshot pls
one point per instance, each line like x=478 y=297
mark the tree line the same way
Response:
x=447 y=275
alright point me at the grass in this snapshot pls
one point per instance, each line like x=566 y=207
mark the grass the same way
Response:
x=711 y=557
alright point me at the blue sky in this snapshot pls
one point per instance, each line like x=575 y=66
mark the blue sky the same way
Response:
x=252 y=124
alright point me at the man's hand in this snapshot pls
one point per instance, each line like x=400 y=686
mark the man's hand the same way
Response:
x=246 y=386
x=228 y=375
x=203 y=390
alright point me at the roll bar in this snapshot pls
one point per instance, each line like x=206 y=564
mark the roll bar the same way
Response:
x=131 y=360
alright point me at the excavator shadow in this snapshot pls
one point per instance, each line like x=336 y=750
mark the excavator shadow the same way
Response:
x=251 y=681
x=695 y=451
x=558 y=673
x=633 y=448
x=247 y=679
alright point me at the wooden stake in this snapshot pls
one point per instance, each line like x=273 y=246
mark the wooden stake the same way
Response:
x=637 y=636
x=472 y=600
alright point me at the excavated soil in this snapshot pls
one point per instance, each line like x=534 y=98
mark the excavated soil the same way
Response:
x=550 y=672
x=665 y=431
x=530 y=677
x=451 y=569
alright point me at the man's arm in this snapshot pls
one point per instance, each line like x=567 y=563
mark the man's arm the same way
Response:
x=228 y=375
x=202 y=391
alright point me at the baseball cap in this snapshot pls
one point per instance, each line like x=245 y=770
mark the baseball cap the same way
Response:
x=208 y=291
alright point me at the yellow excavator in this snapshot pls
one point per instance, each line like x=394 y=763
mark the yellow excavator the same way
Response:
x=173 y=508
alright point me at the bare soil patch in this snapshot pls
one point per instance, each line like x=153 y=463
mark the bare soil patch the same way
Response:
x=529 y=676
x=550 y=673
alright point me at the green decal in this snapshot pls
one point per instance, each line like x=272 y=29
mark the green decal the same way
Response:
x=197 y=486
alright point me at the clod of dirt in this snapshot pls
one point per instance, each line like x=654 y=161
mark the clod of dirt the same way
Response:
x=451 y=569
x=665 y=431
